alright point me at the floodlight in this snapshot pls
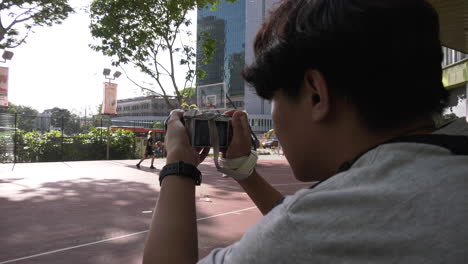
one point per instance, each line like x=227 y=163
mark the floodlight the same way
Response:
x=7 y=55
x=106 y=72
x=117 y=74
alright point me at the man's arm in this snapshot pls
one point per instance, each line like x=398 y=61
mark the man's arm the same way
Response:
x=173 y=233
x=260 y=191
x=265 y=196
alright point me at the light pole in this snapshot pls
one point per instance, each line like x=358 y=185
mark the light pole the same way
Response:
x=6 y=56
x=106 y=72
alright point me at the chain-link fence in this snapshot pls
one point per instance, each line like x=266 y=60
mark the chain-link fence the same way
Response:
x=45 y=138
x=7 y=133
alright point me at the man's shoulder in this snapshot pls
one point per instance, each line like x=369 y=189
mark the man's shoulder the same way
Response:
x=369 y=209
x=455 y=127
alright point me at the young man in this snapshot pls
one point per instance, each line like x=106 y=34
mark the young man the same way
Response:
x=354 y=84
x=149 y=152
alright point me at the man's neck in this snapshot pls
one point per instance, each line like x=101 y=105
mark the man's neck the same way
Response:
x=363 y=139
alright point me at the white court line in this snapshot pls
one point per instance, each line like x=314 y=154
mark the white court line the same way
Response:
x=232 y=212
x=113 y=238
x=285 y=184
x=68 y=248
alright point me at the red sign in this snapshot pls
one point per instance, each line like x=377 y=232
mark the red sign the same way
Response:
x=4 y=86
x=109 y=104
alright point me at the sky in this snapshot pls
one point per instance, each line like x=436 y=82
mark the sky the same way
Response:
x=56 y=68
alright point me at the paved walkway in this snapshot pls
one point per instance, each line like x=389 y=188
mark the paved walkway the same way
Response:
x=99 y=211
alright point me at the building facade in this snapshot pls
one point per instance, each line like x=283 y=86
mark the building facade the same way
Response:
x=234 y=26
x=455 y=79
x=144 y=110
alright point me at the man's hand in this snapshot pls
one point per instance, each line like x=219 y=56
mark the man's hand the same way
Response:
x=241 y=142
x=178 y=146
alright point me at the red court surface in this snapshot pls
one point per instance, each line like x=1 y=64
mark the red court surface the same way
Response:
x=100 y=211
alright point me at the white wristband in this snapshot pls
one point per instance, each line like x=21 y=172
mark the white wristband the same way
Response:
x=240 y=168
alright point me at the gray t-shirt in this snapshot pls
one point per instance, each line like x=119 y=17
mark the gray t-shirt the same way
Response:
x=399 y=203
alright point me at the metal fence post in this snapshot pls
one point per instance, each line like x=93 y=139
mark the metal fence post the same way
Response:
x=101 y=129
x=108 y=140
x=134 y=141
x=15 y=139
x=62 y=139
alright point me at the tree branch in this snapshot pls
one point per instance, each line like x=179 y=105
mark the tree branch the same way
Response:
x=2 y=29
x=173 y=79
x=140 y=86
x=21 y=41
x=17 y=20
x=155 y=75
x=188 y=66
x=155 y=60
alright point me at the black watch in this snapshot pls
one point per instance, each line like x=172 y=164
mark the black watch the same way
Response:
x=181 y=169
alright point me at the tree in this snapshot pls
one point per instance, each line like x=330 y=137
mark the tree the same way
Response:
x=63 y=119
x=158 y=125
x=59 y=117
x=99 y=109
x=26 y=116
x=142 y=33
x=19 y=17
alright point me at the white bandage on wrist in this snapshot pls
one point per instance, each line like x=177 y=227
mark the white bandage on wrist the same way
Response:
x=239 y=168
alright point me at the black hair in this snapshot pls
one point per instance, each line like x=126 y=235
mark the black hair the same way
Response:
x=384 y=56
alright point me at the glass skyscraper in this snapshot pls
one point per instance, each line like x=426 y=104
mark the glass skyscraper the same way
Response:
x=234 y=26
x=226 y=25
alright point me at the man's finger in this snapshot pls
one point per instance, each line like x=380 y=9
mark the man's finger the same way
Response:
x=242 y=128
x=223 y=152
x=230 y=112
x=245 y=125
x=204 y=154
x=237 y=127
x=175 y=116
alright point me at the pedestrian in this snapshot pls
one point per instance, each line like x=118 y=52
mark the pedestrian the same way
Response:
x=149 y=150
x=354 y=85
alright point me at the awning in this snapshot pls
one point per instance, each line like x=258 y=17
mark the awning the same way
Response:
x=453 y=15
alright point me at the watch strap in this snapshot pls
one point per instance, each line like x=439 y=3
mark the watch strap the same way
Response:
x=180 y=169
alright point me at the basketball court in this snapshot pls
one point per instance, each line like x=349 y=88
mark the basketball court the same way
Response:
x=100 y=211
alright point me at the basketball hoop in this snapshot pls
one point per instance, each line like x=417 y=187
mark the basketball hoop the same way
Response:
x=212 y=97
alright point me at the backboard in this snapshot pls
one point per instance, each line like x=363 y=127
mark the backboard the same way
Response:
x=211 y=97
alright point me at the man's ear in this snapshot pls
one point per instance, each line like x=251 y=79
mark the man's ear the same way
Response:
x=318 y=95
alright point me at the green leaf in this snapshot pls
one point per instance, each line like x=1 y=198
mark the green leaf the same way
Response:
x=34 y=13
x=138 y=32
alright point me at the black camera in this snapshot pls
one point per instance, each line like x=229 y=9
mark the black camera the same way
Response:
x=199 y=130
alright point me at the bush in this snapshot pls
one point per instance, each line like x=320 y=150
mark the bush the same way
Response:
x=122 y=144
x=53 y=146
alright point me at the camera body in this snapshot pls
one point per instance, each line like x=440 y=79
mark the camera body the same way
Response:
x=197 y=124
